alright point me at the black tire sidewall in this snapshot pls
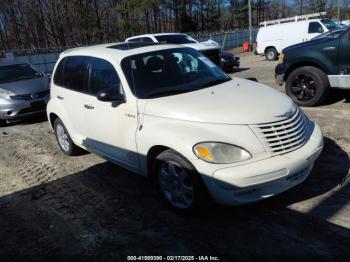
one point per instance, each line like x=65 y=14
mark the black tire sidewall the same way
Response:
x=69 y=152
x=200 y=195
x=321 y=82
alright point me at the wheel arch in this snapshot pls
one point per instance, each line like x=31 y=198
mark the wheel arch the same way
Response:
x=270 y=47
x=52 y=119
x=302 y=64
x=152 y=153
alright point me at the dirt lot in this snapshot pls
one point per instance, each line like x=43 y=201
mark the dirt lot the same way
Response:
x=54 y=205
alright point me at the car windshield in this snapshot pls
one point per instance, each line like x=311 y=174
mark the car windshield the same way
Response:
x=169 y=72
x=331 y=34
x=175 y=39
x=331 y=24
x=11 y=73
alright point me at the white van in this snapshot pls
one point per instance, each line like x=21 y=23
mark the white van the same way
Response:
x=272 y=39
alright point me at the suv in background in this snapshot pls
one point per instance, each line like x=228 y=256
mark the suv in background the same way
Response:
x=167 y=112
x=211 y=49
x=311 y=69
x=24 y=91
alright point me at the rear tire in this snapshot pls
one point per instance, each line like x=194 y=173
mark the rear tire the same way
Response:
x=307 y=86
x=178 y=183
x=271 y=54
x=64 y=140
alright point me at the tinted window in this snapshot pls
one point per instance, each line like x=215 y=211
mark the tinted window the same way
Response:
x=135 y=40
x=315 y=27
x=75 y=73
x=11 y=73
x=175 y=39
x=58 y=78
x=102 y=75
x=147 y=40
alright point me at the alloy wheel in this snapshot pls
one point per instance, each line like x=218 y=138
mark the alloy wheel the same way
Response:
x=176 y=184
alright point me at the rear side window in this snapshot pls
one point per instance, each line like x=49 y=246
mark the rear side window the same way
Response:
x=135 y=40
x=102 y=75
x=147 y=40
x=315 y=27
x=75 y=73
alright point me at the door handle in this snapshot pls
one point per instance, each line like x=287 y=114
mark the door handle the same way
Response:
x=60 y=97
x=89 y=106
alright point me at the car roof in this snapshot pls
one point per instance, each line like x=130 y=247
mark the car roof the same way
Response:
x=157 y=34
x=117 y=50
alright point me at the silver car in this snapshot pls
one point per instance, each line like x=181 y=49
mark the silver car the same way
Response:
x=24 y=91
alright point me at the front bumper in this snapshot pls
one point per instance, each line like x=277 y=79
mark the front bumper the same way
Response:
x=229 y=64
x=280 y=70
x=279 y=80
x=12 y=109
x=265 y=178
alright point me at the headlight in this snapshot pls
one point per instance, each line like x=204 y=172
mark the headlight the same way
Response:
x=5 y=93
x=220 y=153
x=281 y=57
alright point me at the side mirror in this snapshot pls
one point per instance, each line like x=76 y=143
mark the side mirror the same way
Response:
x=111 y=95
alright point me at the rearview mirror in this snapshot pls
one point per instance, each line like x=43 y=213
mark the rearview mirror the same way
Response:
x=111 y=95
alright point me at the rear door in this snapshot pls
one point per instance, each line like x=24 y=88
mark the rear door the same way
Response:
x=71 y=92
x=111 y=126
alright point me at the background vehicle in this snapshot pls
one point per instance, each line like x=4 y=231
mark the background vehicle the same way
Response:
x=310 y=69
x=169 y=113
x=279 y=34
x=24 y=91
x=211 y=49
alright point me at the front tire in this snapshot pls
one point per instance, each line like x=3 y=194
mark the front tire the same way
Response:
x=64 y=140
x=307 y=86
x=271 y=54
x=178 y=183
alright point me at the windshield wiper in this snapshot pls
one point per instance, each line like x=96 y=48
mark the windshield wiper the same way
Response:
x=26 y=77
x=216 y=82
x=167 y=92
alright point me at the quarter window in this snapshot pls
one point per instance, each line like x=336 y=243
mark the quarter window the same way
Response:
x=58 y=78
x=102 y=75
x=315 y=27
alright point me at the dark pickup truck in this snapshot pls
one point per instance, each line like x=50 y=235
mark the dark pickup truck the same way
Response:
x=312 y=68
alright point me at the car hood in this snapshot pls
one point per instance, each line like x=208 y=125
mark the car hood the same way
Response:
x=308 y=44
x=208 y=45
x=27 y=86
x=238 y=101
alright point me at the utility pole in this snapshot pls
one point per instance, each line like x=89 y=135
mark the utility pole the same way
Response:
x=338 y=11
x=250 y=24
x=301 y=7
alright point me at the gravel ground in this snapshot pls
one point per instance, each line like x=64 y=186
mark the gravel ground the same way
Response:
x=53 y=205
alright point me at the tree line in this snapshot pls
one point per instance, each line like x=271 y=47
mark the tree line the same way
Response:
x=61 y=23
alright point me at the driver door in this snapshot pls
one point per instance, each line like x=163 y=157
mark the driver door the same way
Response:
x=111 y=129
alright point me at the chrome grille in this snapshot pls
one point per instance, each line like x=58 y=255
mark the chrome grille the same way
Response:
x=284 y=136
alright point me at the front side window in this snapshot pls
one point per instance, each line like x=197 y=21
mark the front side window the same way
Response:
x=12 y=73
x=175 y=39
x=135 y=40
x=102 y=75
x=75 y=73
x=315 y=27
x=171 y=71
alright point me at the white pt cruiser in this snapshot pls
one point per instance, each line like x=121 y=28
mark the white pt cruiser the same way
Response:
x=167 y=112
